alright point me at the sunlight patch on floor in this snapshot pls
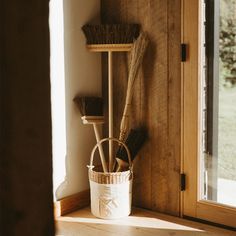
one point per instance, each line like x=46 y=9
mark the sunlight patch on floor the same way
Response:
x=133 y=221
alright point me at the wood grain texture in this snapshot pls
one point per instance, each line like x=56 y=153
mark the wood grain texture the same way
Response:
x=174 y=97
x=190 y=105
x=139 y=223
x=156 y=101
x=193 y=206
x=72 y=203
x=109 y=47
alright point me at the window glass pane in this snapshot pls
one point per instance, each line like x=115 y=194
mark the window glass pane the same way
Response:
x=218 y=168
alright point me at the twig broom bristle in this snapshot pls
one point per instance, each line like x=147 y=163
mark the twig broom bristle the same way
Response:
x=136 y=58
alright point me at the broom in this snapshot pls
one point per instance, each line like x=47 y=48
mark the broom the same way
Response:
x=91 y=109
x=111 y=33
x=110 y=38
x=134 y=142
x=136 y=58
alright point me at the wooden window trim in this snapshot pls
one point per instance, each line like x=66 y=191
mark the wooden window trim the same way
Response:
x=191 y=205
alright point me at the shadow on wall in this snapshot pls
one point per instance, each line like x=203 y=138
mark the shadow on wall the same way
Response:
x=25 y=120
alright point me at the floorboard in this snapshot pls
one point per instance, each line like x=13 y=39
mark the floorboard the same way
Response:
x=139 y=223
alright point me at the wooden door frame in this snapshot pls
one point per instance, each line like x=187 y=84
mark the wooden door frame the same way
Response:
x=191 y=205
x=189 y=111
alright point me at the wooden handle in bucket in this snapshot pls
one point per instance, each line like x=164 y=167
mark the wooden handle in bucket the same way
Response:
x=91 y=166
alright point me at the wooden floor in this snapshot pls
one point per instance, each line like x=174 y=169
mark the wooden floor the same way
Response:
x=140 y=223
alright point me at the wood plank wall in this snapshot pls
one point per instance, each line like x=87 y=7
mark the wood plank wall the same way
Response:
x=156 y=101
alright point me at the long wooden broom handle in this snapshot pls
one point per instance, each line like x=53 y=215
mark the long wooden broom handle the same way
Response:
x=110 y=110
x=100 y=149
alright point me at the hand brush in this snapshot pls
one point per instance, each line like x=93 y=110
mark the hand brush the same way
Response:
x=110 y=38
x=91 y=109
x=134 y=142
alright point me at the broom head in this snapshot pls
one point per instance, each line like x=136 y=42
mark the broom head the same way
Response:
x=134 y=142
x=89 y=106
x=111 y=33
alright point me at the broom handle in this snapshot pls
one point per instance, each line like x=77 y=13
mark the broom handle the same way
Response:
x=103 y=160
x=110 y=113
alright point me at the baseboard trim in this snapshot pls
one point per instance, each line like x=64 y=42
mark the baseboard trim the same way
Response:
x=72 y=203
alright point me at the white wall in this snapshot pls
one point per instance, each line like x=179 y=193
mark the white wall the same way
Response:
x=57 y=75
x=82 y=76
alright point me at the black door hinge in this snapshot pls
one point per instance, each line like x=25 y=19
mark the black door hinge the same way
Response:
x=182 y=182
x=183 y=52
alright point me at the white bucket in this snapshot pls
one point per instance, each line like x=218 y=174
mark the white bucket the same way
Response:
x=111 y=193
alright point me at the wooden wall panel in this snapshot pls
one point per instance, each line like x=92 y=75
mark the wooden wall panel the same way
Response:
x=156 y=101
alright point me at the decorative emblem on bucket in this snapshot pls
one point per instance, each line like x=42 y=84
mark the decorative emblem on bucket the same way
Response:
x=107 y=206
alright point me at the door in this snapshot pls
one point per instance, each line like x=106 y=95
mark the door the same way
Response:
x=209 y=110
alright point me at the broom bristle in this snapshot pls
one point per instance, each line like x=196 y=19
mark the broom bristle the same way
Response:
x=111 y=33
x=136 y=58
x=89 y=106
x=134 y=142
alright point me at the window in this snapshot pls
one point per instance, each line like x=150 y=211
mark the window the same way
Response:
x=219 y=99
x=208 y=115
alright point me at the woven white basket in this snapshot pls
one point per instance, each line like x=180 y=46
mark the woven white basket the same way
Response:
x=111 y=192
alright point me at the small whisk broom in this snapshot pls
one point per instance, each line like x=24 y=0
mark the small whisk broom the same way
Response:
x=134 y=142
x=91 y=109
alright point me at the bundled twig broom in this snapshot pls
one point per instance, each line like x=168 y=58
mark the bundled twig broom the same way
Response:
x=137 y=137
x=136 y=58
